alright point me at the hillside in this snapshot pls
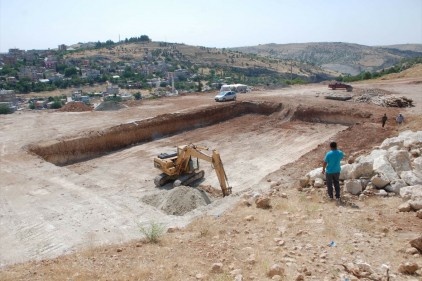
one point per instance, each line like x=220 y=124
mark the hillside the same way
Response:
x=202 y=60
x=337 y=56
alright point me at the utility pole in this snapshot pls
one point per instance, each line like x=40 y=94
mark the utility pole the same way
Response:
x=291 y=71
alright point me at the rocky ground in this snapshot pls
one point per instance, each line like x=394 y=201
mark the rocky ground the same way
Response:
x=293 y=233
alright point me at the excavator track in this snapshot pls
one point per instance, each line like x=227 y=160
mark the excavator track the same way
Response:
x=162 y=179
x=185 y=179
x=188 y=179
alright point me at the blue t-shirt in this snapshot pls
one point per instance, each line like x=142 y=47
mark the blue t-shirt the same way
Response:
x=332 y=158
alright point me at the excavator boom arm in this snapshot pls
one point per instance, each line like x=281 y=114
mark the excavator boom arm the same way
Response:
x=195 y=151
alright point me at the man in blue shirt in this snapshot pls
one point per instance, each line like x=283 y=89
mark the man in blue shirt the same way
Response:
x=331 y=168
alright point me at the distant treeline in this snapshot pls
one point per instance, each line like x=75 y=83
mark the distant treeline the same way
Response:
x=109 y=43
x=403 y=65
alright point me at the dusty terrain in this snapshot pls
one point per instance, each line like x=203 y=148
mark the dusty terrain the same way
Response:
x=81 y=219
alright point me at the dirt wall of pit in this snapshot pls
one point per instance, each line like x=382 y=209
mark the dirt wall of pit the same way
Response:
x=94 y=144
x=330 y=115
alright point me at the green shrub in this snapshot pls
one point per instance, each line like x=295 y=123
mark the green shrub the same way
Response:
x=5 y=109
x=113 y=98
x=137 y=96
x=153 y=232
x=56 y=104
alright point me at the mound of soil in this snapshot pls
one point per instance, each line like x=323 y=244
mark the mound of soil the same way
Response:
x=109 y=106
x=179 y=200
x=75 y=106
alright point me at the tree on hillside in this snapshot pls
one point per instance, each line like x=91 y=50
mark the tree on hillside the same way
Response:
x=144 y=38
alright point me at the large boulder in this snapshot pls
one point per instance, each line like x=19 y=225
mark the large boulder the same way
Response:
x=417 y=243
x=362 y=169
x=411 y=178
x=384 y=169
x=379 y=182
x=416 y=204
x=411 y=192
x=316 y=173
x=399 y=160
x=417 y=165
x=395 y=186
x=346 y=171
x=353 y=186
x=404 y=139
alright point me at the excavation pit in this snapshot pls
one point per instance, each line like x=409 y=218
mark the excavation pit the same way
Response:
x=97 y=143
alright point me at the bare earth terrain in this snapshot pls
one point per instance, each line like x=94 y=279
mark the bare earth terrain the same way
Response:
x=77 y=186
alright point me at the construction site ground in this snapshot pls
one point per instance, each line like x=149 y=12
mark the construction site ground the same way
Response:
x=80 y=219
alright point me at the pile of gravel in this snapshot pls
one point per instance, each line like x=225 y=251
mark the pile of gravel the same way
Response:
x=75 y=106
x=179 y=200
x=109 y=106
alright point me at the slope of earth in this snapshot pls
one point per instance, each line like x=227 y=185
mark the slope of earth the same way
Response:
x=83 y=209
x=336 y=56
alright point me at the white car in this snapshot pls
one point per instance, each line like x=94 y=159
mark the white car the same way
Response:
x=225 y=96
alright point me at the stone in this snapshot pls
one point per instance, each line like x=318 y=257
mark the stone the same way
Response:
x=316 y=173
x=304 y=181
x=417 y=164
x=383 y=168
x=417 y=243
x=300 y=277
x=238 y=277
x=411 y=178
x=404 y=207
x=263 y=202
x=217 y=267
x=411 y=251
x=419 y=214
x=400 y=160
x=364 y=169
x=318 y=183
x=249 y=218
x=379 y=182
x=346 y=171
x=275 y=269
x=411 y=192
x=416 y=204
x=408 y=268
x=353 y=186
x=382 y=193
x=200 y=276
x=395 y=186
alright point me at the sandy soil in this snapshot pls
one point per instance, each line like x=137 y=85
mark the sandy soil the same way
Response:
x=48 y=210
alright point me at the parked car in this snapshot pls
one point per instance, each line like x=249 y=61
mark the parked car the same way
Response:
x=337 y=85
x=225 y=96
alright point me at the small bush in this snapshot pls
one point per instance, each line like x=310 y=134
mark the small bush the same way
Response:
x=5 y=109
x=137 y=96
x=56 y=105
x=153 y=232
x=113 y=98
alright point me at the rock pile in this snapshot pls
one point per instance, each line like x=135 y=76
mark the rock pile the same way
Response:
x=394 y=168
x=382 y=98
x=179 y=200
x=75 y=106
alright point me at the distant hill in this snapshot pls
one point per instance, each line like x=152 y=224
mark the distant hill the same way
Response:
x=224 y=61
x=341 y=57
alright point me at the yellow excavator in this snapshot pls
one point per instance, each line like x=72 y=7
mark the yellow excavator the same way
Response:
x=182 y=167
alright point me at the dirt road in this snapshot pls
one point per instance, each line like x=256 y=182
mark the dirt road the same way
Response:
x=47 y=210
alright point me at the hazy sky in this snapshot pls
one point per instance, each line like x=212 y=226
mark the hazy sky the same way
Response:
x=43 y=24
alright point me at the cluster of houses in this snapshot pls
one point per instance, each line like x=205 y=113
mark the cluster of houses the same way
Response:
x=41 y=66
